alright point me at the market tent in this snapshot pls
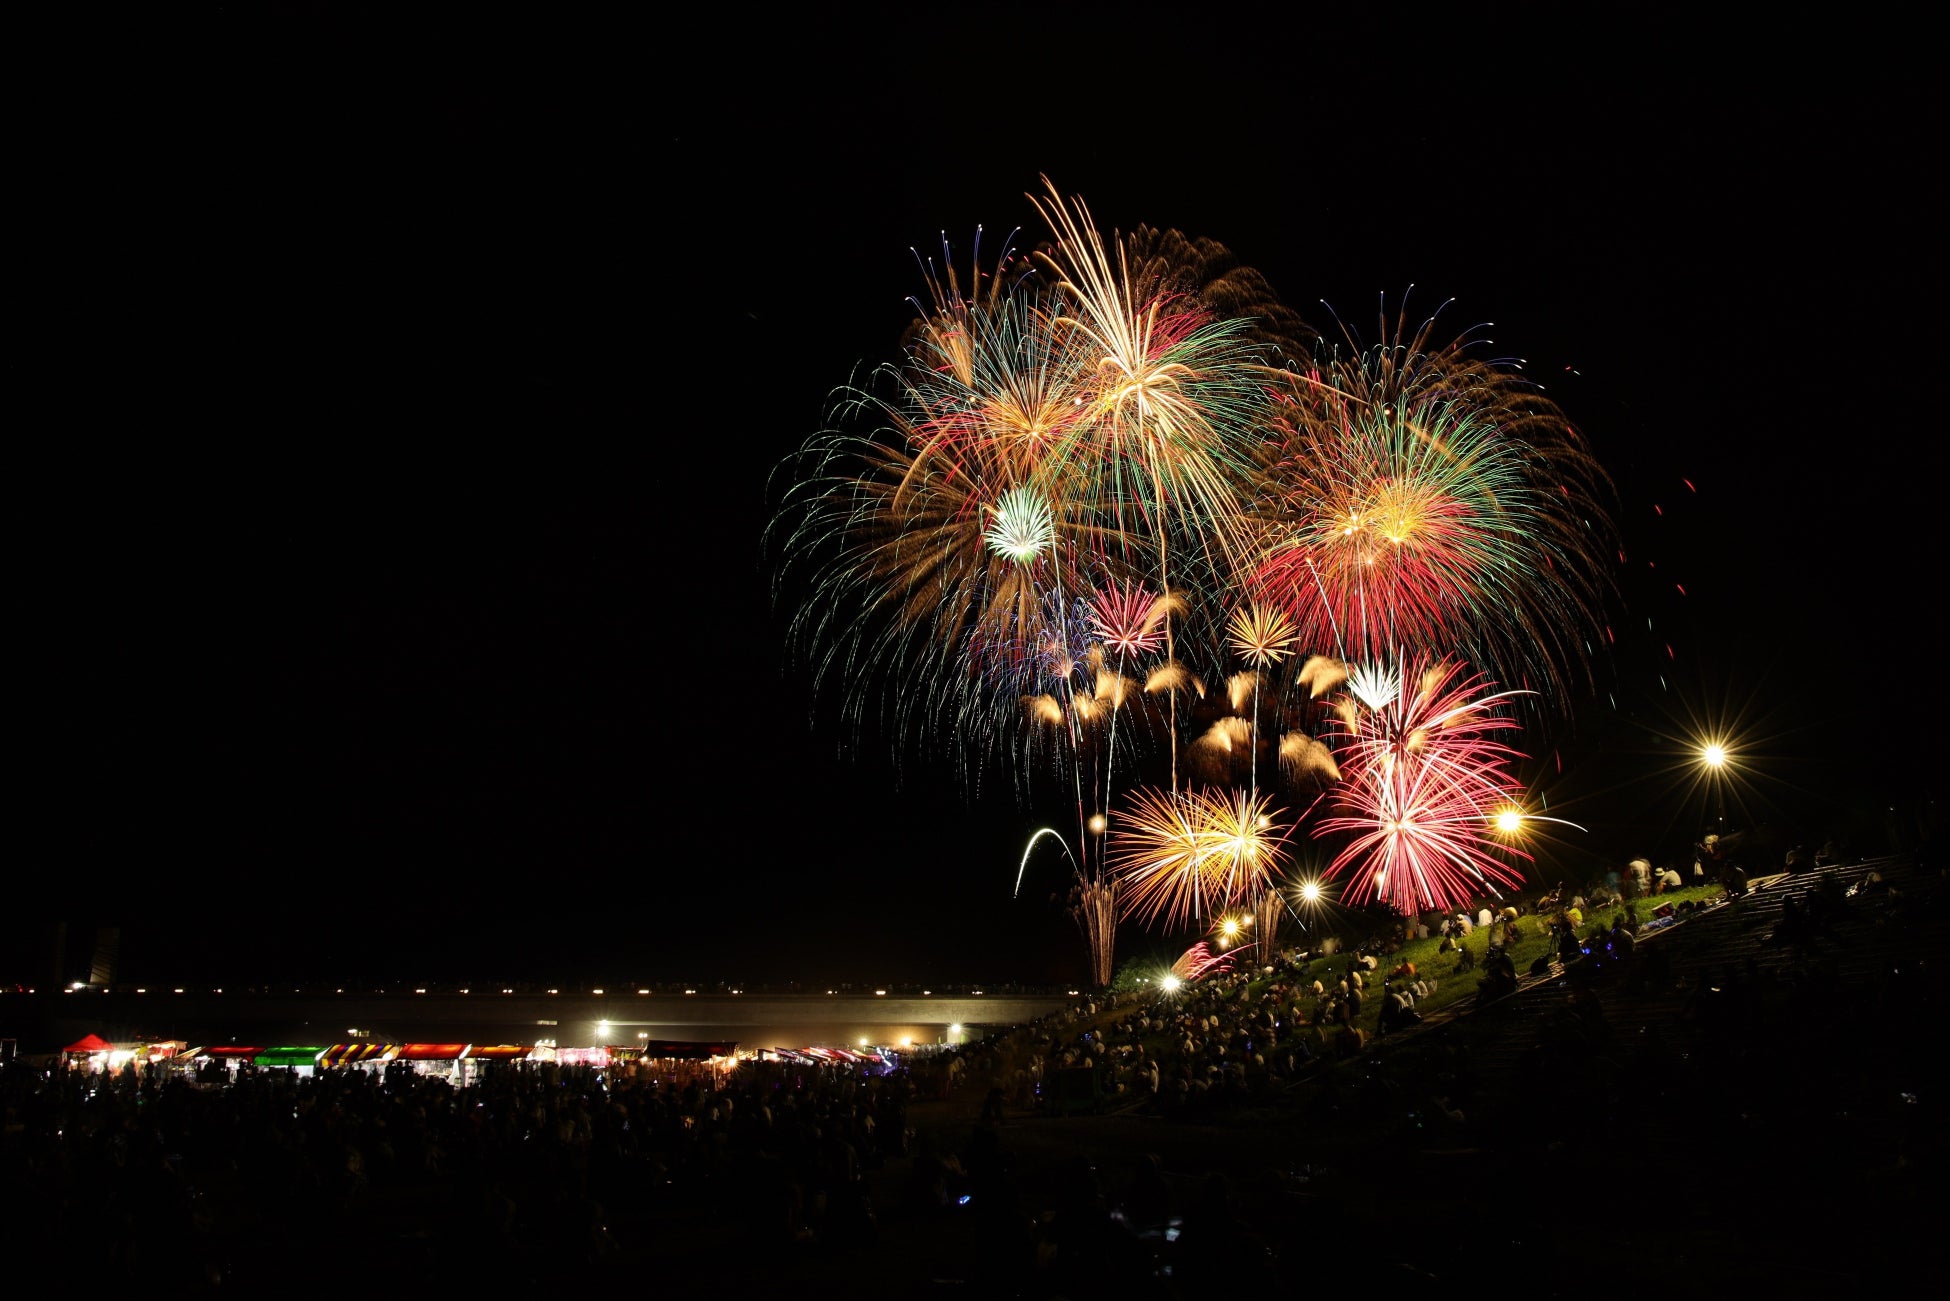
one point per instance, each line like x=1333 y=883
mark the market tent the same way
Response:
x=498 y=1052
x=684 y=1050
x=429 y=1052
x=820 y=1055
x=92 y=1043
x=289 y=1056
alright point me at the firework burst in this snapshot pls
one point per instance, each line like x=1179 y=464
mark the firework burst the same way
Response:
x=1305 y=758
x=939 y=561
x=1199 y=961
x=1263 y=634
x=1221 y=755
x=1181 y=856
x=1428 y=498
x=1129 y=619
x=1001 y=542
x=1021 y=526
x=1425 y=777
x=1178 y=397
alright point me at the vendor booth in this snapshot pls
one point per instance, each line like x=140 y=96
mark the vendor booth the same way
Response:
x=680 y=1062
x=367 y=1055
x=233 y=1059
x=439 y=1060
x=299 y=1060
x=88 y=1054
x=480 y=1059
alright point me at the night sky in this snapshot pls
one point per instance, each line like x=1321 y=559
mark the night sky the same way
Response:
x=403 y=398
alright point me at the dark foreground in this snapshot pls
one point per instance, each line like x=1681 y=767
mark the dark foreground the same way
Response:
x=1750 y=1103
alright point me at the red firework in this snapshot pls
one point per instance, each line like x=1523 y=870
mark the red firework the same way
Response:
x=1424 y=777
x=1199 y=960
x=1129 y=618
x=1422 y=497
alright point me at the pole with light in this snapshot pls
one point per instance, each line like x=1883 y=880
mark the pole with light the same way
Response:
x=1714 y=755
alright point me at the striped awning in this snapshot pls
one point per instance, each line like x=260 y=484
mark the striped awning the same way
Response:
x=352 y=1054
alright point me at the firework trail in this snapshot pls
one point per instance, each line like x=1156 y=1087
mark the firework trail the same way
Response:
x=1262 y=635
x=1267 y=911
x=1093 y=906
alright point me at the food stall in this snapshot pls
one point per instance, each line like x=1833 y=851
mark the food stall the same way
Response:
x=365 y=1055
x=596 y=1057
x=301 y=1061
x=679 y=1062
x=223 y=1059
x=439 y=1060
x=482 y=1058
x=88 y=1054
x=233 y=1058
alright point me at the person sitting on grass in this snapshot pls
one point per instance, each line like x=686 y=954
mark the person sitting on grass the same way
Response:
x=1621 y=938
x=1398 y=1014
x=1569 y=950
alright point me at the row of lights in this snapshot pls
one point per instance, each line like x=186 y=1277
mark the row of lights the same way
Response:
x=79 y=985
x=603 y=1028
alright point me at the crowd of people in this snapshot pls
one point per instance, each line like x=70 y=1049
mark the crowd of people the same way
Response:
x=535 y=1168
x=546 y=1168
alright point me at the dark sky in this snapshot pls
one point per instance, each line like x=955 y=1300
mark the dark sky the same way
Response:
x=403 y=399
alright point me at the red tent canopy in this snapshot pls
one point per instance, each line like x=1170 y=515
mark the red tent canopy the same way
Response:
x=93 y=1043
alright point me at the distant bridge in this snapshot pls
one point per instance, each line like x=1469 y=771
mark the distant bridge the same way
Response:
x=46 y=1021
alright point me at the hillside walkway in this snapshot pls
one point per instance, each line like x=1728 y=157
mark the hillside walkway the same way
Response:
x=1740 y=1108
